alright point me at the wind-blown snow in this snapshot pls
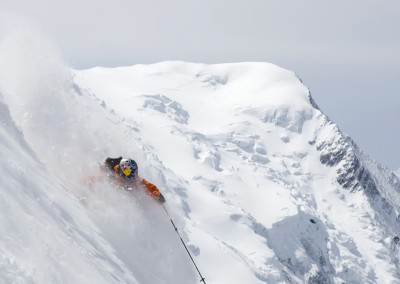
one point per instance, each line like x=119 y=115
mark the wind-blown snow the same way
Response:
x=255 y=177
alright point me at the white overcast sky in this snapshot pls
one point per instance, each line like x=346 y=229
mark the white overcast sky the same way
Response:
x=346 y=51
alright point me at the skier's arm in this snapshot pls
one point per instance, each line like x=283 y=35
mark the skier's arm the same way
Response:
x=153 y=190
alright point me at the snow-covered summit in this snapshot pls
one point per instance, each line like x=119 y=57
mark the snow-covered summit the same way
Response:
x=263 y=186
x=253 y=88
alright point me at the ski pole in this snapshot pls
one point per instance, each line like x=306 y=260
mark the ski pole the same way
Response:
x=202 y=279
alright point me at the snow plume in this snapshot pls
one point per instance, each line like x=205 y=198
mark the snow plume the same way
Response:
x=58 y=119
x=57 y=229
x=35 y=81
x=45 y=237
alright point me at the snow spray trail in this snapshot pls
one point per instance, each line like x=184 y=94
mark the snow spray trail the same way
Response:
x=70 y=132
x=44 y=237
x=40 y=94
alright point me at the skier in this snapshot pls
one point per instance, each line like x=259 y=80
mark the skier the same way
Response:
x=124 y=172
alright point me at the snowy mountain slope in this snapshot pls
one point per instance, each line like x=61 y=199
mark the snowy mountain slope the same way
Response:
x=264 y=188
x=260 y=144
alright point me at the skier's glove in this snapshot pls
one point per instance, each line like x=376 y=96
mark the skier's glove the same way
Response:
x=160 y=198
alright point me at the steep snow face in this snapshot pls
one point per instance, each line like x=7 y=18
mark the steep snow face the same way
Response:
x=262 y=186
x=46 y=238
x=56 y=228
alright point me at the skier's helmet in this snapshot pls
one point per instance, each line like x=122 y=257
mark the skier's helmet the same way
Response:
x=128 y=168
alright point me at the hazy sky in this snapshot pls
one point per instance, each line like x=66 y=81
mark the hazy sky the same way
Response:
x=346 y=52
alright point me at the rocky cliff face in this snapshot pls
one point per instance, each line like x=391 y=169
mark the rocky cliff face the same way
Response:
x=357 y=172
